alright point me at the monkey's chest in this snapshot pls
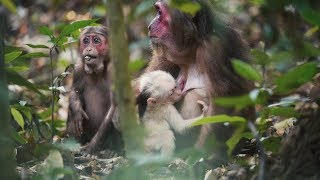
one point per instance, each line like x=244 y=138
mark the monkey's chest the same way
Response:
x=155 y=122
x=97 y=102
x=193 y=79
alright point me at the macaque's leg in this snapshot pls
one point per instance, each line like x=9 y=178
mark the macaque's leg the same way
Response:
x=107 y=136
x=162 y=142
x=168 y=146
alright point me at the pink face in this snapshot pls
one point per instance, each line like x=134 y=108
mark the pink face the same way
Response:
x=94 y=51
x=173 y=34
x=93 y=45
x=159 y=27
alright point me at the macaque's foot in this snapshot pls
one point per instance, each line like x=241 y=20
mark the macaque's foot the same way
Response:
x=87 y=152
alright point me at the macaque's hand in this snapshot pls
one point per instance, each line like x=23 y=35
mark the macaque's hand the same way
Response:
x=204 y=106
x=76 y=126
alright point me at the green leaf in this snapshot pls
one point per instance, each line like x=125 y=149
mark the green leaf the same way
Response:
x=9 y=49
x=186 y=6
x=47 y=113
x=219 y=119
x=260 y=57
x=309 y=50
x=236 y=137
x=246 y=71
x=68 y=29
x=258 y=2
x=37 y=46
x=296 y=77
x=279 y=111
x=9 y=57
x=283 y=111
x=17 y=116
x=190 y=8
x=18 y=68
x=282 y=56
x=58 y=123
x=34 y=55
x=45 y=30
x=17 y=137
x=312 y=31
x=9 y=5
x=238 y=102
x=310 y=15
x=24 y=109
x=136 y=65
x=15 y=78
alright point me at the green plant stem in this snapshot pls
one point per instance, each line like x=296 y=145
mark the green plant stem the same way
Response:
x=52 y=92
x=262 y=158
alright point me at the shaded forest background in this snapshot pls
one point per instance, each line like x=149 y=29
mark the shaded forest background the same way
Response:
x=40 y=48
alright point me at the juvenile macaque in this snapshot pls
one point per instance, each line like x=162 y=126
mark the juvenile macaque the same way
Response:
x=197 y=50
x=90 y=94
x=159 y=92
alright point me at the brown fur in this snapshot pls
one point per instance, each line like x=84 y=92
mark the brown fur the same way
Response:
x=209 y=44
x=90 y=95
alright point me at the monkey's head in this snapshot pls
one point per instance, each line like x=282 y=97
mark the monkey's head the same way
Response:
x=156 y=88
x=174 y=33
x=94 y=49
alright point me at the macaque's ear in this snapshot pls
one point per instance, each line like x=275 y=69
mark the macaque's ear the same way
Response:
x=151 y=101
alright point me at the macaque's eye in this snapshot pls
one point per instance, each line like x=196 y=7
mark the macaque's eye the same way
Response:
x=86 y=40
x=156 y=6
x=171 y=92
x=96 y=40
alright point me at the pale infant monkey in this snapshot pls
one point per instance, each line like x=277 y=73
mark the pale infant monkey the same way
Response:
x=158 y=92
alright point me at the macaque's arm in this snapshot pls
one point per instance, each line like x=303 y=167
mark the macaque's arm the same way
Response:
x=179 y=124
x=76 y=115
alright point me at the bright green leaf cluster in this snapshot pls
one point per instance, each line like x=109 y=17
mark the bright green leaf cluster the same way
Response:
x=296 y=77
x=66 y=31
x=246 y=71
x=219 y=119
x=186 y=6
x=17 y=117
x=136 y=65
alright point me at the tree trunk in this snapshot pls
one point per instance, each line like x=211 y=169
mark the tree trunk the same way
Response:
x=300 y=155
x=6 y=154
x=121 y=79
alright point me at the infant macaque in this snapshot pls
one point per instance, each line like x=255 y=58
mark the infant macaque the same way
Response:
x=158 y=92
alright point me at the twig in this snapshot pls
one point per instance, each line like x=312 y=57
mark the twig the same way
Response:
x=262 y=155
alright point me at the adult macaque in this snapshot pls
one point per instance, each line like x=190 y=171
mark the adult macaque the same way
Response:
x=197 y=50
x=159 y=92
x=90 y=96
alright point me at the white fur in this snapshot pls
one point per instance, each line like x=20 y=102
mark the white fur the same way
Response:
x=161 y=119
